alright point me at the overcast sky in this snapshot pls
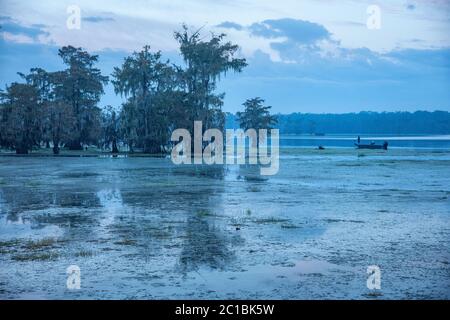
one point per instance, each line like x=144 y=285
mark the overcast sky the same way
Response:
x=304 y=56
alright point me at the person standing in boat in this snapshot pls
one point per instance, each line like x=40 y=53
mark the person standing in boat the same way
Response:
x=359 y=139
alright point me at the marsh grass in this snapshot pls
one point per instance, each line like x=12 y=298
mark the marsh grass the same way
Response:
x=204 y=213
x=84 y=253
x=270 y=220
x=289 y=226
x=75 y=175
x=9 y=243
x=126 y=242
x=254 y=189
x=40 y=244
x=45 y=256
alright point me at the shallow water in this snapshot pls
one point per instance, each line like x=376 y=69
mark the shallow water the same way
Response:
x=144 y=228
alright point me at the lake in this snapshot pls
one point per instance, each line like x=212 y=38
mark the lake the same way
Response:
x=143 y=228
x=347 y=141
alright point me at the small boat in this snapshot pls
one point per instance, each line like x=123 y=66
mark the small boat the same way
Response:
x=372 y=146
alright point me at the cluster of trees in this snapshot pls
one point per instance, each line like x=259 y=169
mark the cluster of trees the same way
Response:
x=54 y=107
x=61 y=108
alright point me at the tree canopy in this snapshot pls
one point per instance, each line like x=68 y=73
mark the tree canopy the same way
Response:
x=62 y=107
x=256 y=115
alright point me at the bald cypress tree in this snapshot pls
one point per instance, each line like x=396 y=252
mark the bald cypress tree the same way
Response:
x=21 y=114
x=82 y=85
x=206 y=62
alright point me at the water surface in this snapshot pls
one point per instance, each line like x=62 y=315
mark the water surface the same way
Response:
x=144 y=228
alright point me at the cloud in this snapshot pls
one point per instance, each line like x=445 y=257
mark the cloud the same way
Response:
x=230 y=25
x=359 y=79
x=97 y=19
x=299 y=31
x=331 y=63
x=284 y=40
x=18 y=38
x=13 y=31
x=12 y=27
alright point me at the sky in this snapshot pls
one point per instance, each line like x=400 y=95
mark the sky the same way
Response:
x=309 y=56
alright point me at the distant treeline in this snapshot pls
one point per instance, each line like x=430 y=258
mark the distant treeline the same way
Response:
x=420 y=122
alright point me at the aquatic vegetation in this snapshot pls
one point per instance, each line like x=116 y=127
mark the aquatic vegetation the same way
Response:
x=40 y=244
x=270 y=220
x=255 y=178
x=84 y=254
x=40 y=256
x=343 y=220
x=9 y=243
x=126 y=242
x=77 y=175
x=289 y=226
x=212 y=229
x=204 y=213
x=254 y=189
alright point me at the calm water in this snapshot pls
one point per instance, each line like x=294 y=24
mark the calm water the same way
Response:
x=144 y=228
x=347 y=141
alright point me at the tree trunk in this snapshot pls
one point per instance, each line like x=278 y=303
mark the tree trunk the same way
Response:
x=130 y=145
x=114 y=147
x=55 y=148
x=21 y=150
x=152 y=147
x=75 y=145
